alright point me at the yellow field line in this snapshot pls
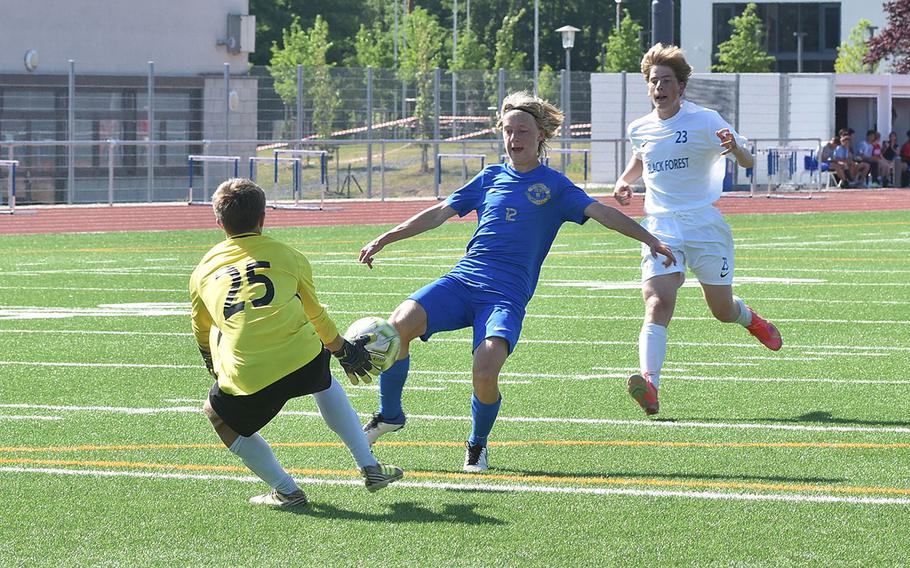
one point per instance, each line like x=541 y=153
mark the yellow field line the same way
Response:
x=513 y=443
x=663 y=483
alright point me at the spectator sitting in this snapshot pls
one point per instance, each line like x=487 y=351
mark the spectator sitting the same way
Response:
x=863 y=153
x=905 y=155
x=884 y=166
x=855 y=170
x=837 y=167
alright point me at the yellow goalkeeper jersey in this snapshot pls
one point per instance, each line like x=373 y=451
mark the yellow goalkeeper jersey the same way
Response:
x=255 y=308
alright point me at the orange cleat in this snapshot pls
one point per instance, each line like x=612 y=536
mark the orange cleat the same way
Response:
x=765 y=332
x=644 y=393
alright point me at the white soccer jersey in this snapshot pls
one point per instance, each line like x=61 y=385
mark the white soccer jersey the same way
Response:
x=683 y=169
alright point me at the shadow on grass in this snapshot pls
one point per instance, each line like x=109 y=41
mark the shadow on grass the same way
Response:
x=403 y=512
x=818 y=416
x=643 y=475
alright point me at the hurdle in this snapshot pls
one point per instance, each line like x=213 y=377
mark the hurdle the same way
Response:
x=205 y=173
x=323 y=176
x=295 y=174
x=11 y=199
x=439 y=157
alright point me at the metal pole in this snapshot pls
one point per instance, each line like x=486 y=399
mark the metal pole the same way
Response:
x=299 y=135
x=436 y=80
x=395 y=37
x=799 y=50
x=71 y=134
x=227 y=109
x=565 y=157
x=454 y=103
x=618 y=15
x=150 y=167
x=565 y=125
x=536 y=47
x=369 y=132
x=454 y=58
x=110 y=172
x=501 y=96
x=622 y=125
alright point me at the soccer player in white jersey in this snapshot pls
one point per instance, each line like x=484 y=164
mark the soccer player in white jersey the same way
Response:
x=678 y=150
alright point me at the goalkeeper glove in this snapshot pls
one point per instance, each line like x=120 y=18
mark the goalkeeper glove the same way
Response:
x=209 y=364
x=355 y=360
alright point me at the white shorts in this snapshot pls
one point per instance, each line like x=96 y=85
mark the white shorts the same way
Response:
x=700 y=239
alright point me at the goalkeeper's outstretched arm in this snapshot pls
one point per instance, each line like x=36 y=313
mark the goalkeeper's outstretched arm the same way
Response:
x=429 y=218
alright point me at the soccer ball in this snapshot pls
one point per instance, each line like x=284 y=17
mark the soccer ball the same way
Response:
x=384 y=341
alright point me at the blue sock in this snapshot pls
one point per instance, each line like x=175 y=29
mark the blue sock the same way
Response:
x=391 y=385
x=482 y=418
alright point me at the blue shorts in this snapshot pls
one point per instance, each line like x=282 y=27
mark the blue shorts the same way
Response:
x=451 y=305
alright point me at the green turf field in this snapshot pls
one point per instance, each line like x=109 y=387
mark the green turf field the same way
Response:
x=794 y=458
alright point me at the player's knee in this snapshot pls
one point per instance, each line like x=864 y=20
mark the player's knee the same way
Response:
x=211 y=414
x=656 y=305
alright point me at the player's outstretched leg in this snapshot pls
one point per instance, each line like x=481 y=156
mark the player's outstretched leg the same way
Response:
x=390 y=417
x=375 y=477
x=760 y=328
x=645 y=394
x=278 y=500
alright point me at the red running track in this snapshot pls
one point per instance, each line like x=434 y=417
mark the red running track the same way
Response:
x=76 y=219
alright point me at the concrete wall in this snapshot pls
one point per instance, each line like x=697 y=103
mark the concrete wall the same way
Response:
x=118 y=37
x=697 y=17
x=771 y=108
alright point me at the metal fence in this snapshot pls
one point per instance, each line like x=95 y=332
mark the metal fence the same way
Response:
x=82 y=138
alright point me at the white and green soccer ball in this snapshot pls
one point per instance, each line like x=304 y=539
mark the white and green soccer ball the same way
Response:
x=384 y=341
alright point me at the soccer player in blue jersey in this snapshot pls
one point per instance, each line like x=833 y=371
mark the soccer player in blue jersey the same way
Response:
x=520 y=207
x=263 y=336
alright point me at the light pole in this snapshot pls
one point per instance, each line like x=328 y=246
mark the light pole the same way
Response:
x=618 y=13
x=871 y=30
x=568 y=41
x=799 y=50
x=536 y=46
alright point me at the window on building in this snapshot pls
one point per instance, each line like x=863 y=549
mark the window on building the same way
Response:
x=820 y=22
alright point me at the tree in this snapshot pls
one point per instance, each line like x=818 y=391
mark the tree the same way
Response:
x=623 y=49
x=419 y=59
x=894 y=41
x=372 y=47
x=852 y=53
x=470 y=53
x=507 y=57
x=307 y=48
x=743 y=52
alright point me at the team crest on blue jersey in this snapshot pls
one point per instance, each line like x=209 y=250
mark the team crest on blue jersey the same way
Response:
x=538 y=194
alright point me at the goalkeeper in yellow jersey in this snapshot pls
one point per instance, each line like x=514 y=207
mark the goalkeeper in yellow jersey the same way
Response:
x=263 y=336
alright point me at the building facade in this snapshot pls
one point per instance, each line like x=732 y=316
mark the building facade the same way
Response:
x=133 y=75
x=704 y=24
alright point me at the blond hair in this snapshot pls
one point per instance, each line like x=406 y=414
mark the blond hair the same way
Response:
x=239 y=204
x=547 y=116
x=670 y=56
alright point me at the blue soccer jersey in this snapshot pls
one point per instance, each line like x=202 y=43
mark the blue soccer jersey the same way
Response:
x=518 y=216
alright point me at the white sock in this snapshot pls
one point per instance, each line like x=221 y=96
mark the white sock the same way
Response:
x=745 y=316
x=258 y=456
x=652 y=350
x=339 y=415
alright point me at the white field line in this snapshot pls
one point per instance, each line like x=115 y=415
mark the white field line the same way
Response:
x=27 y=417
x=404 y=293
x=501 y=418
x=561 y=377
x=486 y=487
x=152 y=309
